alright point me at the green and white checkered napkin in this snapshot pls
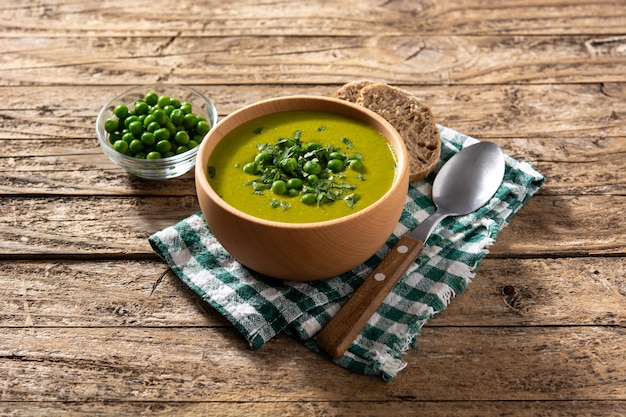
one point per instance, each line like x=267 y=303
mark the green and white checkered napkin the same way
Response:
x=260 y=307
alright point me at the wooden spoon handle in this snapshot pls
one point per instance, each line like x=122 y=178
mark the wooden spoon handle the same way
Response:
x=340 y=332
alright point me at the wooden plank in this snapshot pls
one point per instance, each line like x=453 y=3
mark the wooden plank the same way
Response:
x=505 y=292
x=77 y=168
x=547 y=226
x=567 y=110
x=105 y=293
x=455 y=364
x=594 y=112
x=304 y=408
x=542 y=292
x=264 y=18
x=401 y=59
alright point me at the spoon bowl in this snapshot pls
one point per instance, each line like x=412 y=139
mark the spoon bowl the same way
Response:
x=464 y=184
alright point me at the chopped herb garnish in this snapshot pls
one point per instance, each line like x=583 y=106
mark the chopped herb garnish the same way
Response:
x=352 y=199
x=314 y=172
x=347 y=142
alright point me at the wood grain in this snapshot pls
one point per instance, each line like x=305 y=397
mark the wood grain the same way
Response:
x=547 y=226
x=162 y=364
x=595 y=111
x=397 y=59
x=109 y=293
x=270 y=17
x=400 y=406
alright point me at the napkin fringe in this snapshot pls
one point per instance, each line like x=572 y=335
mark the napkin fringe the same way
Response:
x=390 y=363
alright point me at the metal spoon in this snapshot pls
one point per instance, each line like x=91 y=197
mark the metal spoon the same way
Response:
x=464 y=184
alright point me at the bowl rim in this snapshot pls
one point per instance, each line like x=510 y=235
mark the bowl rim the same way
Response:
x=162 y=162
x=401 y=155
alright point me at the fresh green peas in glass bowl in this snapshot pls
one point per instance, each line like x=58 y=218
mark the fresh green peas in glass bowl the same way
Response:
x=153 y=131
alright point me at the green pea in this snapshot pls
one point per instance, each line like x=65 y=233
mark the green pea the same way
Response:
x=129 y=120
x=168 y=110
x=148 y=138
x=293 y=193
x=356 y=165
x=189 y=120
x=121 y=111
x=148 y=119
x=312 y=146
x=203 y=127
x=153 y=155
x=192 y=144
x=120 y=146
x=151 y=98
x=312 y=167
x=250 y=168
x=141 y=107
x=175 y=102
x=128 y=137
x=294 y=184
x=159 y=116
x=170 y=126
x=164 y=146
x=163 y=101
x=152 y=127
x=312 y=179
x=279 y=187
x=336 y=155
x=162 y=134
x=181 y=138
x=177 y=117
x=289 y=164
x=335 y=165
x=309 y=198
x=136 y=146
x=181 y=149
x=185 y=107
x=262 y=157
x=111 y=125
x=136 y=128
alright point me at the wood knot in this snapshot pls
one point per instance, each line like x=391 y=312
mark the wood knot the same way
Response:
x=508 y=291
x=517 y=299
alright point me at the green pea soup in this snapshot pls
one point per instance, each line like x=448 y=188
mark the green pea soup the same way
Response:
x=241 y=145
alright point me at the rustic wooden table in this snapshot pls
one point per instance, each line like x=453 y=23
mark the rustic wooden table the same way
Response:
x=94 y=324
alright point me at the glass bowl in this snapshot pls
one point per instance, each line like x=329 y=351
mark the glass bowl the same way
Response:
x=163 y=168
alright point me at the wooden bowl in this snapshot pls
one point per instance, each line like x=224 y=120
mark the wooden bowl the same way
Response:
x=302 y=251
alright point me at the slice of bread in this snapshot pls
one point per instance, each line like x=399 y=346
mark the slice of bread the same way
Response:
x=409 y=116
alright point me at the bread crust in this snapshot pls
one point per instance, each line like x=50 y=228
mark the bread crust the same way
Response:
x=350 y=91
x=409 y=116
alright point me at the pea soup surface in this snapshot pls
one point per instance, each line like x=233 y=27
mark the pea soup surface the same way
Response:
x=240 y=146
